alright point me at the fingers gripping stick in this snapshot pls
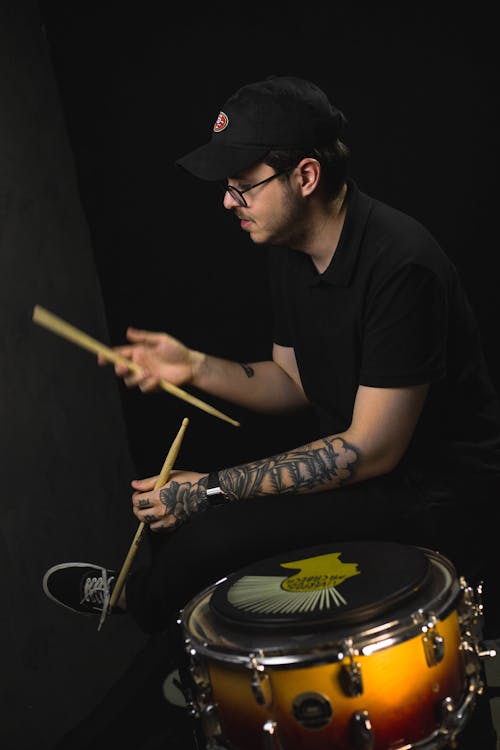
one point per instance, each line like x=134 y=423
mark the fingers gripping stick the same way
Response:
x=53 y=323
x=161 y=480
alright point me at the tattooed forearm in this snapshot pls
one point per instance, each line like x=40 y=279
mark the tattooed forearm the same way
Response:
x=301 y=470
x=250 y=372
x=182 y=500
x=328 y=463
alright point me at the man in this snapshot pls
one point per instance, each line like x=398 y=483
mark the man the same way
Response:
x=372 y=329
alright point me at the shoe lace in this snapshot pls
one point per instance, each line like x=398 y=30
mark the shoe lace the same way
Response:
x=97 y=590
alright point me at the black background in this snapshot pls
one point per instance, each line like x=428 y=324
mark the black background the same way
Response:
x=98 y=99
x=140 y=87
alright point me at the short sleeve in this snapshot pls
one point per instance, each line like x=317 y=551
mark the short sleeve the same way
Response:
x=405 y=330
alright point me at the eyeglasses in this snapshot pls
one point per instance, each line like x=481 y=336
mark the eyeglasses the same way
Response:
x=238 y=196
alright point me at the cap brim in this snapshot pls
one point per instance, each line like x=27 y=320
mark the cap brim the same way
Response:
x=216 y=162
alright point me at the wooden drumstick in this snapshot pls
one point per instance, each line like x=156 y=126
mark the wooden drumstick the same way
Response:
x=55 y=324
x=161 y=480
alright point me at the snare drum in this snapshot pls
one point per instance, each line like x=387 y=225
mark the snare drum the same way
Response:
x=348 y=646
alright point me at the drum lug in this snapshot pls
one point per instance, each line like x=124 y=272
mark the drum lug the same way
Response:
x=260 y=683
x=447 y=709
x=197 y=669
x=471 y=611
x=472 y=620
x=210 y=721
x=471 y=614
x=271 y=738
x=362 y=734
x=200 y=676
x=454 y=717
x=198 y=694
x=350 y=677
x=433 y=642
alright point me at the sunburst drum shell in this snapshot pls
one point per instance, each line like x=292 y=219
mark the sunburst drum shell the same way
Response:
x=402 y=692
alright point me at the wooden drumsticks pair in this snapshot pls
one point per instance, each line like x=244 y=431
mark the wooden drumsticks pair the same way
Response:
x=52 y=322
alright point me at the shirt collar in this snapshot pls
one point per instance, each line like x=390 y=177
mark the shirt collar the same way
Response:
x=341 y=267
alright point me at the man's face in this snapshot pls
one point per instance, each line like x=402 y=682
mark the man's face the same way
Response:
x=272 y=210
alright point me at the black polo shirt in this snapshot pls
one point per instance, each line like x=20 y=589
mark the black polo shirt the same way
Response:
x=390 y=311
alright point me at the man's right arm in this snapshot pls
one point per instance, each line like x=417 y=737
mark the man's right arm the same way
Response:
x=269 y=386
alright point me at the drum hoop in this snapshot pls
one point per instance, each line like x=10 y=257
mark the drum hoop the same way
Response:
x=376 y=637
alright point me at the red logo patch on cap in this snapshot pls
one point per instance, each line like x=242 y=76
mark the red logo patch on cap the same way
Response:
x=221 y=122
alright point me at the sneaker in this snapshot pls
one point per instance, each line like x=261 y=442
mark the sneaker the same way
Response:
x=80 y=587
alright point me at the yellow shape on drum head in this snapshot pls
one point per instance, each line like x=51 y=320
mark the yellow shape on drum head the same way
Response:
x=318 y=573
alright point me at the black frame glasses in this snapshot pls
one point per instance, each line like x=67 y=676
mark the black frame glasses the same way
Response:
x=237 y=194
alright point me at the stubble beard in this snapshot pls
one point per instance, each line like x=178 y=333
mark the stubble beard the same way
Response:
x=288 y=228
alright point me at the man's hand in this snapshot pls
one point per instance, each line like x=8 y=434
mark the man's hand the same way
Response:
x=159 y=355
x=173 y=504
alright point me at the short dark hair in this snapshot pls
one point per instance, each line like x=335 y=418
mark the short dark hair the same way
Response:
x=333 y=157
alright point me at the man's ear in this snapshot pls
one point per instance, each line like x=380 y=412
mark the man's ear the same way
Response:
x=309 y=173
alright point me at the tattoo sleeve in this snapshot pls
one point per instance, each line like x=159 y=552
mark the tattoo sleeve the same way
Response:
x=305 y=469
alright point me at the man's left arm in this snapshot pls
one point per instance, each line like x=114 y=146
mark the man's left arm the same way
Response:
x=383 y=423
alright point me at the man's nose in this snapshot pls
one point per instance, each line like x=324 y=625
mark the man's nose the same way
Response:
x=229 y=201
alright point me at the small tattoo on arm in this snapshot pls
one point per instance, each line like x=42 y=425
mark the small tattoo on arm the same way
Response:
x=250 y=372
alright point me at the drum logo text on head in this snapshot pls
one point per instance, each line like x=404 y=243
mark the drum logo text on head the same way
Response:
x=312 y=587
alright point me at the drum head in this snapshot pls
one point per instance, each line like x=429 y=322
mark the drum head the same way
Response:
x=328 y=585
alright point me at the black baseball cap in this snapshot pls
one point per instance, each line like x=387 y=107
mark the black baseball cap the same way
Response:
x=280 y=112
